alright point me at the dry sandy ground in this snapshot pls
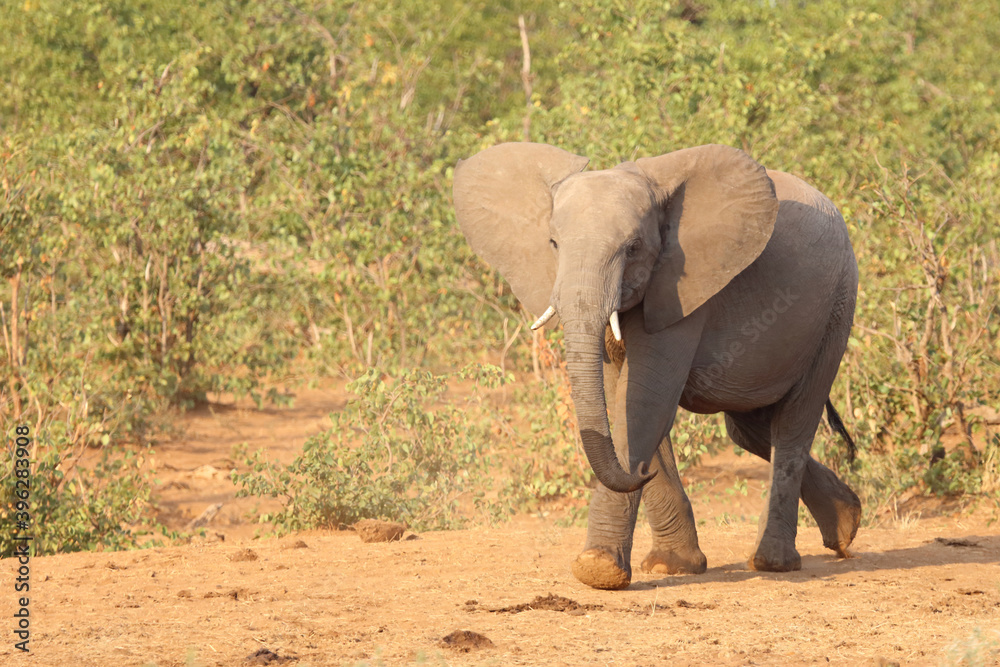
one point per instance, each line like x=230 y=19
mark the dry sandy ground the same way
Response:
x=920 y=590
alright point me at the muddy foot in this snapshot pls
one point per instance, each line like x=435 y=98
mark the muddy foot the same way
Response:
x=774 y=556
x=838 y=535
x=597 y=568
x=675 y=562
x=834 y=506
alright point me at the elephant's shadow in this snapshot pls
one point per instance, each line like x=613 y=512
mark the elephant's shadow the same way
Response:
x=967 y=550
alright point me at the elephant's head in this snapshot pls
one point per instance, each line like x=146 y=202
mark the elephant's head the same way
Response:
x=665 y=233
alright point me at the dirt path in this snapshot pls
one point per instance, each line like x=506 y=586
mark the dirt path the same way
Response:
x=920 y=591
x=329 y=599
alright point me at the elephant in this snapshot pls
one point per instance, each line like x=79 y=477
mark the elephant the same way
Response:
x=697 y=279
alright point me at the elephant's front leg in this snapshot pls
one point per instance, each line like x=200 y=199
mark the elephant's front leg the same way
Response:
x=644 y=400
x=675 y=538
x=605 y=561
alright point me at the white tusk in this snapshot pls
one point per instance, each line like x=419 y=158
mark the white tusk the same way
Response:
x=546 y=316
x=615 y=329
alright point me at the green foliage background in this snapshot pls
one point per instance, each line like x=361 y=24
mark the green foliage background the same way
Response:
x=193 y=196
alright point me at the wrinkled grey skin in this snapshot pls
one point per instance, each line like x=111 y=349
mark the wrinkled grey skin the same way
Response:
x=735 y=287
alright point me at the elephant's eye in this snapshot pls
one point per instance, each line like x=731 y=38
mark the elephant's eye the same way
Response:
x=552 y=242
x=632 y=248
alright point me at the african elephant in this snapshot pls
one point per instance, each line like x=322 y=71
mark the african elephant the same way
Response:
x=698 y=279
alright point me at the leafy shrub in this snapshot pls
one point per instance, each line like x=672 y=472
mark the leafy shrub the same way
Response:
x=192 y=197
x=547 y=459
x=397 y=452
x=102 y=506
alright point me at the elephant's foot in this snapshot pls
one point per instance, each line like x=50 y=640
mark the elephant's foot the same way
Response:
x=598 y=569
x=679 y=561
x=773 y=555
x=839 y=529
x=834 y=506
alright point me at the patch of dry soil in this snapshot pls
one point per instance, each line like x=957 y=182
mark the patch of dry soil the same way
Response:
x=910 y=593
x=919 y=591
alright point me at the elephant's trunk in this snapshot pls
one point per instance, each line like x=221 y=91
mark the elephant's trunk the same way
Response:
x=584 y=338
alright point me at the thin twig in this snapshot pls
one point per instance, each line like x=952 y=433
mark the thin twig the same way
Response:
x=525 y=76
x=506 y=347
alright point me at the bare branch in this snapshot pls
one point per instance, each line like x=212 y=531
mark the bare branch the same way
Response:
x=526 y=76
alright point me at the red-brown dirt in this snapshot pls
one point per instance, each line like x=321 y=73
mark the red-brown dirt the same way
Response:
x=921 y=589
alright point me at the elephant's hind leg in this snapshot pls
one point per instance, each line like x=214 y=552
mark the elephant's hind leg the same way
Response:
x=834 y=506
x=675 y=538
x=793 y=422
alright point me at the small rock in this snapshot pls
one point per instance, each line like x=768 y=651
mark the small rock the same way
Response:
x=207 y=472
x=265 y=656
x=243 y=555
x=465 y=641
x=376 y=530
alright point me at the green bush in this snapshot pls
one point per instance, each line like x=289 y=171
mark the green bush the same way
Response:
x=547 y=460
x=193 y=197
x=101 y=504
x=397 y=452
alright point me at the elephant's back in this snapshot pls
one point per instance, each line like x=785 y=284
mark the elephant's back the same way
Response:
x=773 y=317
x=791 y=188
x=808 y=223
x=810 y=236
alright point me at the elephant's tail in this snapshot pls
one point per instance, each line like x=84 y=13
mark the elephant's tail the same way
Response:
x=838 y=427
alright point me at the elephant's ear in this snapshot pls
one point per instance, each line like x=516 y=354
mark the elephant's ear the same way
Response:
x=503 y=202
x=720 y=209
